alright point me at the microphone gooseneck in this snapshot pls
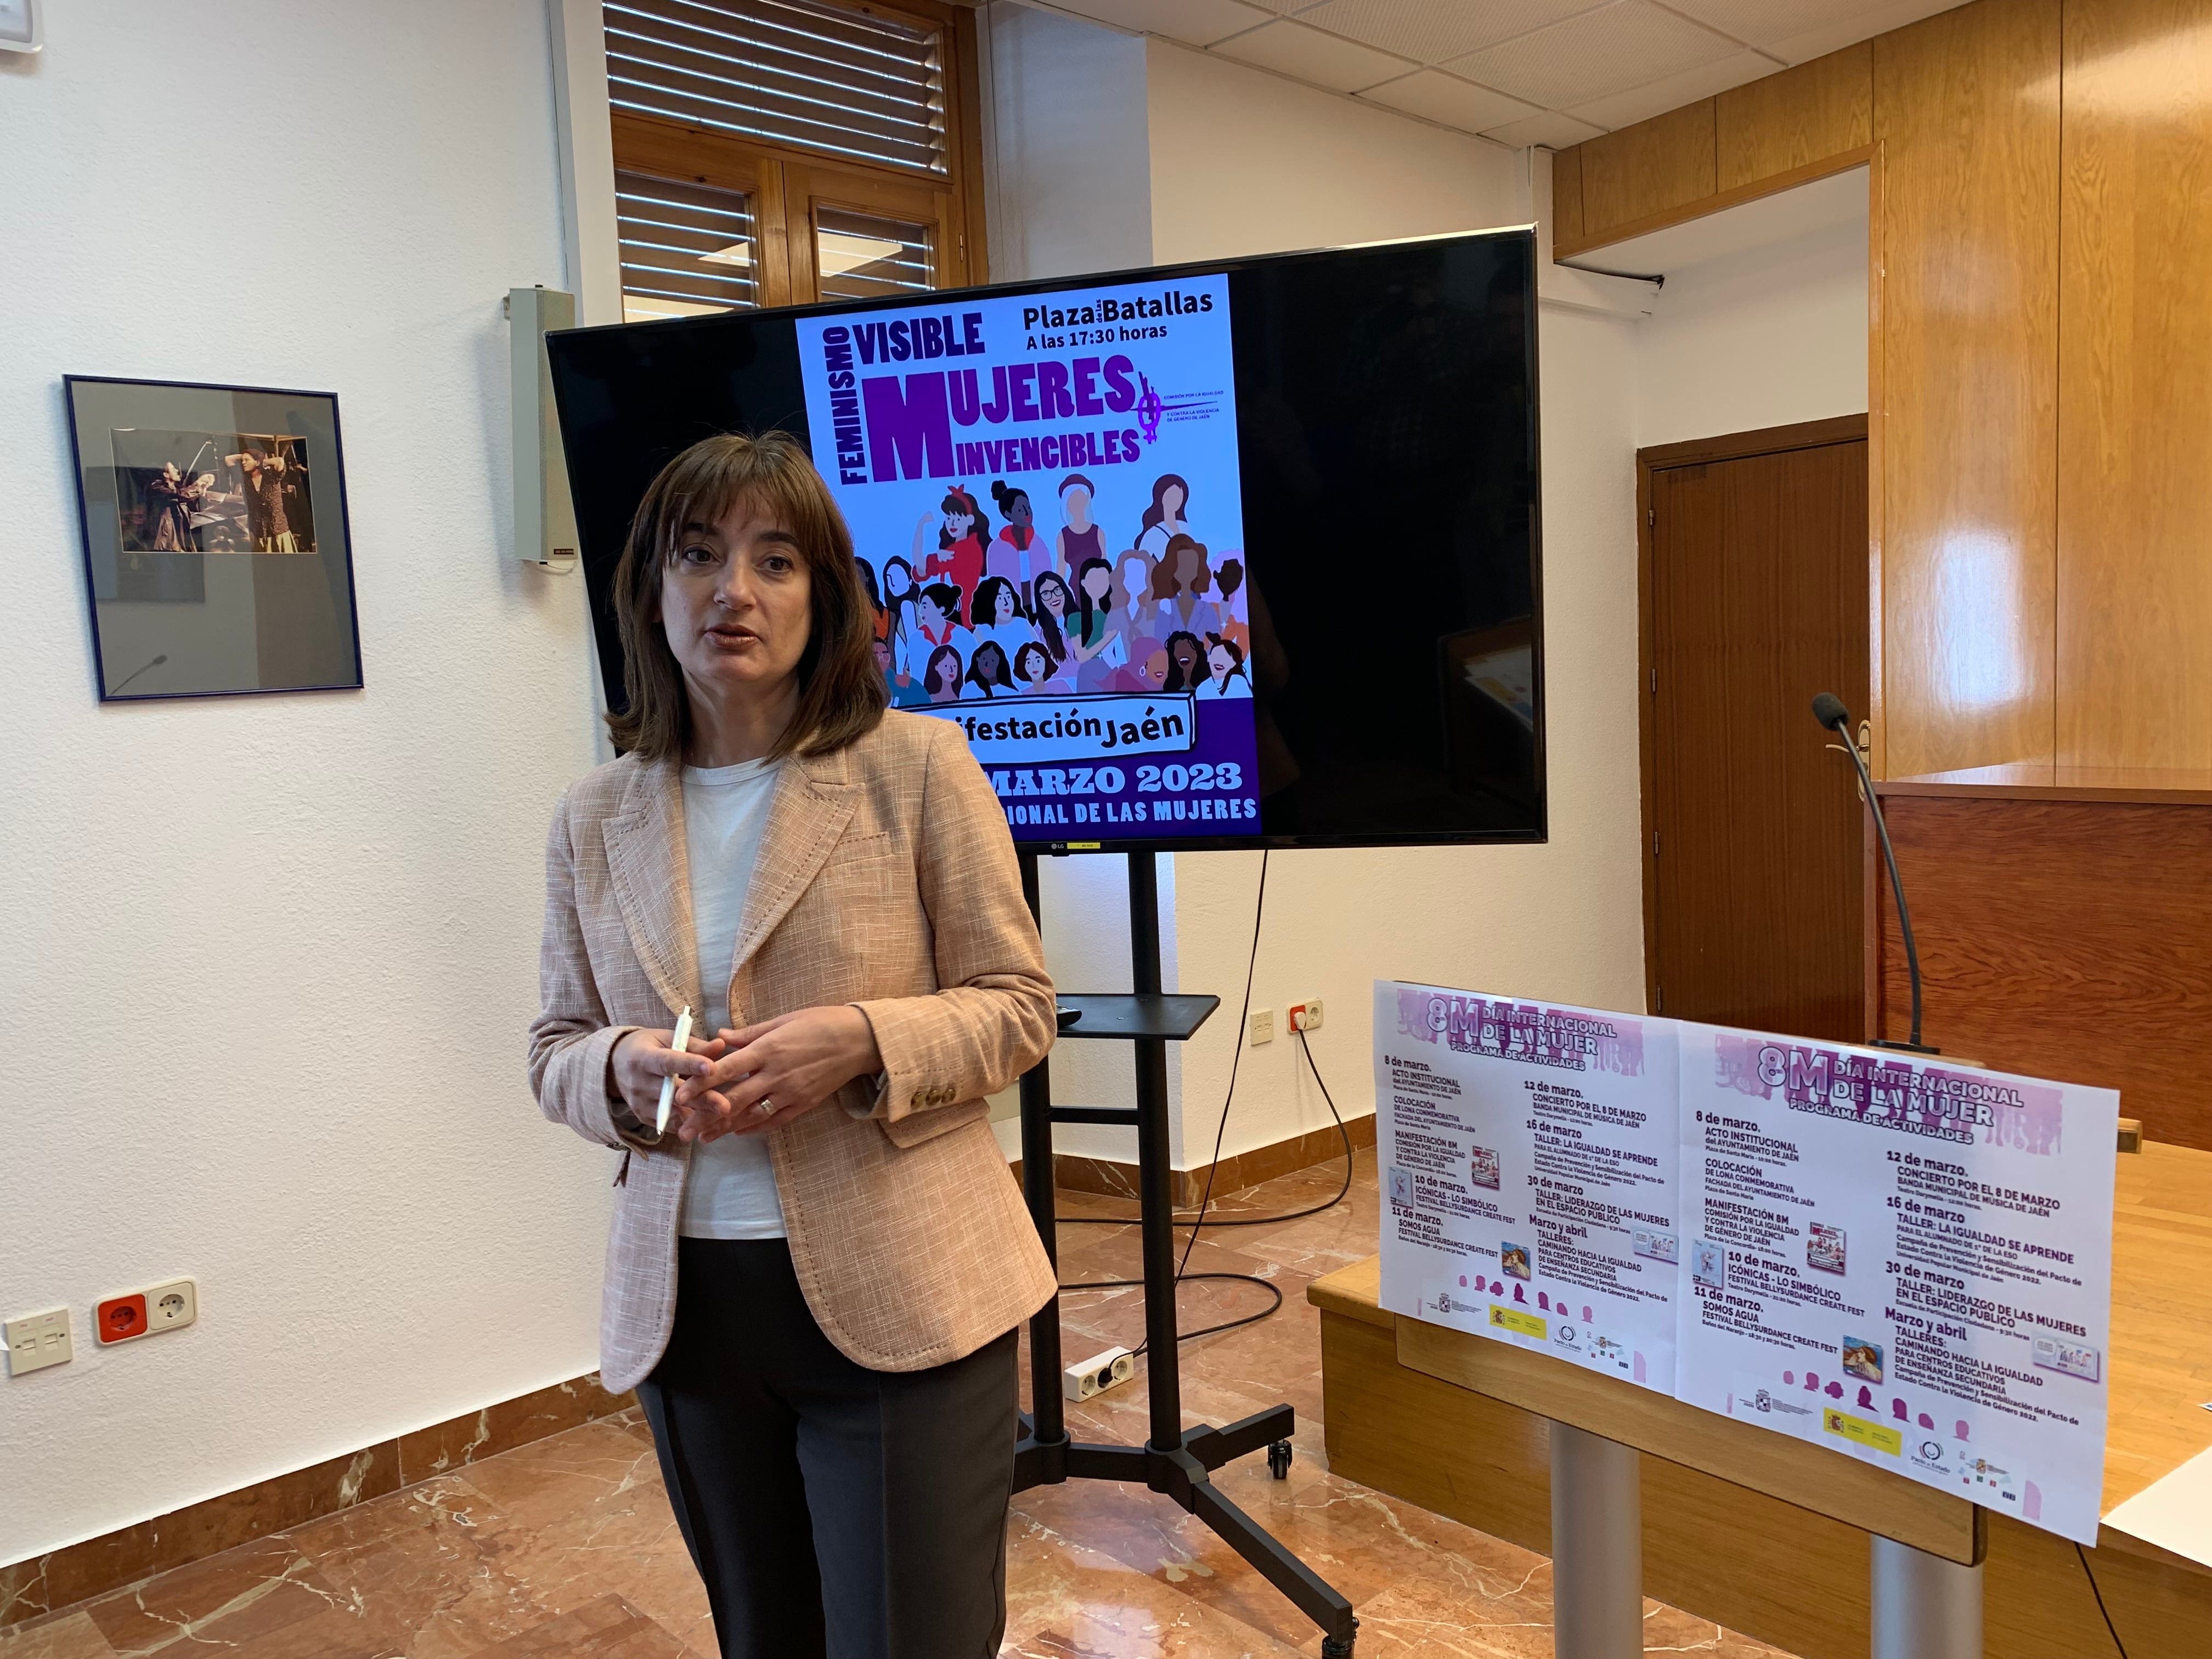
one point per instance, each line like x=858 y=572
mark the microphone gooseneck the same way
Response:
x=1828 y=708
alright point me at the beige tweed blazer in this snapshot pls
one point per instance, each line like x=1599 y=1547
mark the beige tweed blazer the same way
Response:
x=886 y=879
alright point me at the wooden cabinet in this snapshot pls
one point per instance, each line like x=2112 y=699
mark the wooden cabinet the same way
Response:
x=2134 y=579
x=1783 y=122
x=1966 y=121
x=1647 y=169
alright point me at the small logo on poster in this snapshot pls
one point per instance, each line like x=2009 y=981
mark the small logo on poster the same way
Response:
x=1522 y=1324
x=1824 y=1248
x=1862 y=1358
x=1708 y=1264
x=1876 y=1437
x=2074 y=1358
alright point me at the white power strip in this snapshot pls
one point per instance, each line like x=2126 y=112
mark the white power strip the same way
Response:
x=1098 y=1373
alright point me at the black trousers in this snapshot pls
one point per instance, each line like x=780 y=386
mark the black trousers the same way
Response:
x=834 y=1512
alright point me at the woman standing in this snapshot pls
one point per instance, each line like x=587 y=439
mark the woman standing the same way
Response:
x=1163 y=519
x=962 y=529
x=1019 y=553
x=989 y=671
x=1225 y=670
x=1179 y=587
x=997 y=609
x=942 y=683
x=1054 y=614
x=1080 y=540
x=1093 y=633
x=817 y=1265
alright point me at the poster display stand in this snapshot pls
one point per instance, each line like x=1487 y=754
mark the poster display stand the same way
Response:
x=1173 y=1460
x=1897 y=1257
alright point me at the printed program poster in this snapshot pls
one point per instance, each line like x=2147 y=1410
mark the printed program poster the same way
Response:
x=1044 y=498
x=1906 y=1261
x=1528 y=1159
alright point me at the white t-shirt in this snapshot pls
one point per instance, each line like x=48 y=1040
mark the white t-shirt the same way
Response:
x=730 y=1191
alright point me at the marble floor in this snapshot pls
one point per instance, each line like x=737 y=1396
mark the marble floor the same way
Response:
x=565 y=1548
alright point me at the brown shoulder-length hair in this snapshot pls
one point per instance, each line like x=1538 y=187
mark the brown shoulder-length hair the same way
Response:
x=841 y=691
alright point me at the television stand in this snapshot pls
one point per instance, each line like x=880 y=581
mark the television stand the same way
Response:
x=1177 y=1461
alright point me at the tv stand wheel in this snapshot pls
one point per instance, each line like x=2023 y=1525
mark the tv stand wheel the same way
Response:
x=1333 y=1648
x=1278 y=1465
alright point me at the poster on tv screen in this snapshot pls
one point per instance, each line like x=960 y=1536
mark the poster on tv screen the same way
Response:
x=1043 y=492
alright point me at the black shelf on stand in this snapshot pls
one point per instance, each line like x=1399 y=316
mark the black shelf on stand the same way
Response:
x=1173 y=1460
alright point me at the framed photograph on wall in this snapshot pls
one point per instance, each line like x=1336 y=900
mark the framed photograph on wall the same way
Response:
x=216 y=553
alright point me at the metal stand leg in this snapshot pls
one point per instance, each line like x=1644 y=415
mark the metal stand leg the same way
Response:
x=1046 y=1426
x=1174 y=1461
x=1597 y=1547
x=1924 y=1606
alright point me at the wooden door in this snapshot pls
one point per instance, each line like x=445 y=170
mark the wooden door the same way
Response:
x=1755 y=600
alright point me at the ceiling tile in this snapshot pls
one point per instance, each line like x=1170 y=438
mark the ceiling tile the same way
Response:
x=1671 y=91
x=1447 y=98
x=1593 y=55
x=1199 y=22
x=1833 y=35
x=1552 y=131
x=1307 y=54
x=1758 y=22
x=1430 y=31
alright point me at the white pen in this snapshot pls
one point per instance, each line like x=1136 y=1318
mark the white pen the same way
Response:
x=681 y=1042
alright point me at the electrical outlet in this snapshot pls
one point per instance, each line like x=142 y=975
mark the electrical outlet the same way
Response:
x=162 y=1307
x=38 y=1340
x=1306 y=1016
x=1261 y=1026
x=170 y=1305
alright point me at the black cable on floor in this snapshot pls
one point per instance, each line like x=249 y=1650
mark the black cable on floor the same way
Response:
x=1251 y=966
x=1269 y=1285
x=2110 y=1629
x=1199 y=1220
x=1206 y=1199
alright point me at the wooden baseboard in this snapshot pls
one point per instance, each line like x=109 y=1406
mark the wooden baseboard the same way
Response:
x=32 y=1587
x=1112 y=1179
x=61 y=1577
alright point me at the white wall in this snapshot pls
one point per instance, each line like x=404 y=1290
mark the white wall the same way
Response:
x=1766 y=336
x=269 y=961
x=1246 y=162
x=1241 y=161
x=1069 y=186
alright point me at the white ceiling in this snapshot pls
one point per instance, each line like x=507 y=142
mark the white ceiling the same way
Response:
x=1550 y=72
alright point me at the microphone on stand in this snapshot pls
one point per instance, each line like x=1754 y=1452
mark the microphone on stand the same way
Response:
x=1828 y=709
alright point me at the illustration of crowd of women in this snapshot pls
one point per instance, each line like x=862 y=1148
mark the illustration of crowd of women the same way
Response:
x=968 y=615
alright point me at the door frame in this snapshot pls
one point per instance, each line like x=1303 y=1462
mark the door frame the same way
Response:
x=1694 y=452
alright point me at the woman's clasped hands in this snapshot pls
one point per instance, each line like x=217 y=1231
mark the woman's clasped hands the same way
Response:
x=745 y=1081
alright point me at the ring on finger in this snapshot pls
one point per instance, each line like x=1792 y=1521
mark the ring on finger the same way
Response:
x=764 y=1107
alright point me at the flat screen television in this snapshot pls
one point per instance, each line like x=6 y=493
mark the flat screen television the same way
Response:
x=1237 y=554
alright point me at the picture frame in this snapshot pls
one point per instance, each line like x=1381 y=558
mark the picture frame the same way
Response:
x=217 y=546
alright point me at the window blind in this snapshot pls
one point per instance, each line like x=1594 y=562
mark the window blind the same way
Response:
x=686 y=249
x=844 y=83
x=860 y=256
